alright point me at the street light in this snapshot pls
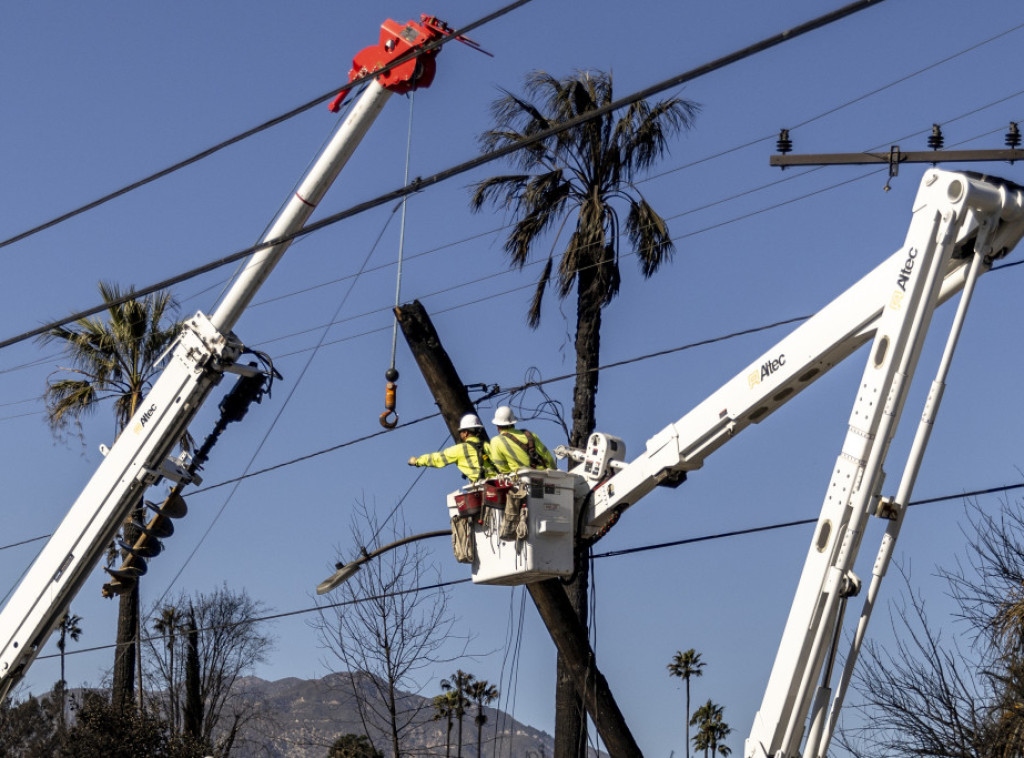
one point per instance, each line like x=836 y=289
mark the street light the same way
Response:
x=346 y=570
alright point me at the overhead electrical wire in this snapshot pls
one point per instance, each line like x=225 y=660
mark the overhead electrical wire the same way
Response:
x=510 y=391
x=609 y=554
x=720 y=201
x=488 y=277
x=421 y=183
x=434 y=45
x=681 y=542
x=705 y=159
x=747 y=192
x=48 y=359
x=692 y=233
x=813 y=118
x=665 y=544
x=773 y=206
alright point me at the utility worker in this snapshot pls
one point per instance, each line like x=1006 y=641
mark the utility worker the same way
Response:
x=471 y=454
x=513 y=449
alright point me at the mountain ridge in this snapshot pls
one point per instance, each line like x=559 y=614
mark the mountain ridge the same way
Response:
x=301 y=718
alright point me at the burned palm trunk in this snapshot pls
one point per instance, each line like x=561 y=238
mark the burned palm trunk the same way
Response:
x=570 y=720
x=123 y=686
x=193 y=716
x=558 y=614
x=437 y=368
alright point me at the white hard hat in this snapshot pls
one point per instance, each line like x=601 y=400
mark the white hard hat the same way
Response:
x=504 y=416
x=470 y=421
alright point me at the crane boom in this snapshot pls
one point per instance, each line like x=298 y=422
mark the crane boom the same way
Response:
x=961 y=223
x=205 y=350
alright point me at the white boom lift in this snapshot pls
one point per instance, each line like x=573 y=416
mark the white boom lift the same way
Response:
x=204 y=351
x=961 y=223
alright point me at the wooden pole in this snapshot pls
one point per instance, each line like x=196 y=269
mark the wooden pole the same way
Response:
x=568 y=634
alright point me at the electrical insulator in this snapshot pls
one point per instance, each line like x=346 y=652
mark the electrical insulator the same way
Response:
x=935 y=141
x=784 y=144
x=1013 y=136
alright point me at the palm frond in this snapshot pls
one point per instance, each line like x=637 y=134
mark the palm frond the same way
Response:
x=648 y=234
x=533 y=317
x=502 y=191
x=113 y=357
x=586 y=171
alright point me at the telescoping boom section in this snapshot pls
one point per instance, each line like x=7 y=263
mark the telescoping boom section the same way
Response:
x=206 y=349
x=961 y=223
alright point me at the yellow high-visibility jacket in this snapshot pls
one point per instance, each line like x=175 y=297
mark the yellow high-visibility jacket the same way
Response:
x=509 y=451
x=466 y=455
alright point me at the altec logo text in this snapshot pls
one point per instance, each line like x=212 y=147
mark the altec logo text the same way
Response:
x=768 y=368
x=145 y=417
x=907 y=270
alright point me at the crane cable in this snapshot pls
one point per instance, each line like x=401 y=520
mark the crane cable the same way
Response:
x=389 y=418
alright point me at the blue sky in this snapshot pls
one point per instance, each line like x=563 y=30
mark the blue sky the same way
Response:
x=94 y=98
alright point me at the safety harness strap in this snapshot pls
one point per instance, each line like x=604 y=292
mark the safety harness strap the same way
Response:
x=529 y=447
x=481 y=457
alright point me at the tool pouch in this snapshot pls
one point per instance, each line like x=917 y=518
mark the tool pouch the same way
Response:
x=462 y=539
x=514 y=520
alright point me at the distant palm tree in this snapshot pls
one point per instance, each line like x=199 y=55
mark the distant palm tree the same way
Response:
x=711 y=729
x=170 y=620
x=444 y=708
x=686 y=665
x=458 y=686
x=586 y=172
x=482 y=693
x=112 y=358
x=69 y=627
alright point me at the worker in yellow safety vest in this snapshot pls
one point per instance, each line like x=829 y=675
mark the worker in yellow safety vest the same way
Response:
x=513 y=449
x=471 y=454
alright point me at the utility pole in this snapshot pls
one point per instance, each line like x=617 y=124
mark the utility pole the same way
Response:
x=895 y=157
x=568 y=634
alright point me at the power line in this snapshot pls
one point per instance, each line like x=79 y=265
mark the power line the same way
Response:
x=609 y=554
x=358 y=81
x=858 y=99
x=283 y=615
x=512 y=390
x=691 y=164
x=848 y=103
x=529 y=285
x=421 y=183
x=521 y=388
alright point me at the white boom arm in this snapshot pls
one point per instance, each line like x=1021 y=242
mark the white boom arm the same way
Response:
x=961 y=223
x=204 y=351
x=826 y=339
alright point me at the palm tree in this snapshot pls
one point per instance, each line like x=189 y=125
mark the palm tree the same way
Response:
x=457 y=687
x=112 y=358
x=170 y=620
x=444 y=708
x=482 y=693
x=711 y=729
x=69 y=627
x=587 y=171
x=686 y=666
